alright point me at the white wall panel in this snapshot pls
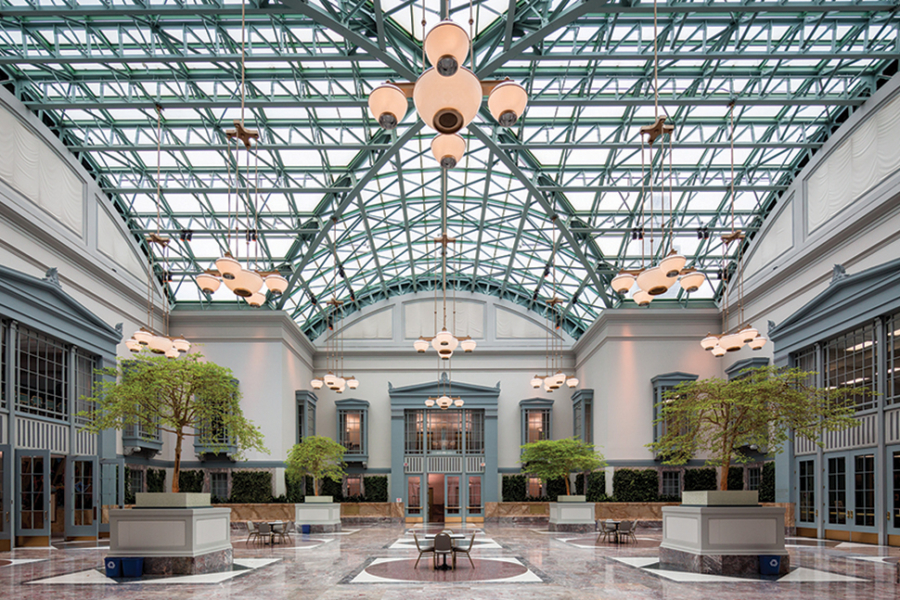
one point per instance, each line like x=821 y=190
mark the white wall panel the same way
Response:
x=377 y=326
x=112 y=243
x=419 y=319
x=513 y=326
x=777 y=239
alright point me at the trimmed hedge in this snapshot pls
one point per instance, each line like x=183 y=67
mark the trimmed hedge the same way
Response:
x=767 y=483
x=129 y=493
x=376 y=487
x=156 y=480
x=596 y=486
x=636 y=485
x=736 y=478
x=556 y=488
x=251 y=487
x=190 y=482
x=514 y=488
x=700 y=480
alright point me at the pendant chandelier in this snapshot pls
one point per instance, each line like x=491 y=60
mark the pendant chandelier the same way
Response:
x=447 y=96
x=334 y=345
x=444 y=342
x=744 y=334
x=445 y=398
x=244 y=281
x=145 y=337
x=555 y=377
x=655 y=280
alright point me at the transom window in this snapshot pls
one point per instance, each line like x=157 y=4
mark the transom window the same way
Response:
x=84 y=384
x=671 y=483
x=444 y=431
x=892 y=393
x=414 y=426
x=850 y=361
x=42 y=385
x=475 y=431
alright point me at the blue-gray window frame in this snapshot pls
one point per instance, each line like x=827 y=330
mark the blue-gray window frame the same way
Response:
x=581 y=400
x=306 y=414
x=228 y=446
x=362 y=407
x=543 y=405
x=661 y=384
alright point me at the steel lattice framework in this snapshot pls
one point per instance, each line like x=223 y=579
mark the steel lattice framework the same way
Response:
x=567 y=177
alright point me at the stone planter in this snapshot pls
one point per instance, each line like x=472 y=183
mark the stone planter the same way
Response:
x=322 y=517
x=171 y=500
x=571 y=498
x=572 y=516
x=319 y=499
x=721 y=498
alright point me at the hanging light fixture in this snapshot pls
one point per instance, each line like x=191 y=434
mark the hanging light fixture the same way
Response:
x=744 y=334
x=655 y=280
x=146 y=337
x=244 y=281
x=447 y=95
x=334 y=344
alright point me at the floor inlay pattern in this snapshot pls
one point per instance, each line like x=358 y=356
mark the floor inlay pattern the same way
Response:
x=395 y=570
x=96 y=576
x=798 y=575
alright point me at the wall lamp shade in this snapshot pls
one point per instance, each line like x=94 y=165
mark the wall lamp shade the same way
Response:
x=709 y=342
x=622 y=282
x=208 y=283
x=353 y=383
x=316 y=384
x=692 y=281
x=276 y=283
x=388 y=105
x=758 y=343
x=447 y=104
x=468 y=345
x=447 y=46
x=256 y=299
x=748 y=334
x=142 y=337
x=642 y=298
x=133 y=345
x=448 y=149
x=228 y=267
x=507 y=102
x=654 y=281
x=718 y=351
x=181 y=344
x=420 y=345
x=672 y=264
x=536 y=382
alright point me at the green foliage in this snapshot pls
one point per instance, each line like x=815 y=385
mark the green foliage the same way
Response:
x=129 y=493
x=760 y=408
x=376 y=487
x=699 y=480
x=320 y=458
x=181 y=396
x=251 y=487
x=556 y=488
x=556 y=459
x=596 y=486
x=514 y=488
x=156 y=480
x=190 y=481
x=736 y=478
x=767 y=483
x=295 y=490
x=635 y=485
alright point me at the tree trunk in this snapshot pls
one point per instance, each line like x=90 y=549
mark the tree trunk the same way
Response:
x=568 y=489
x=315 y=486
x=726 y=466
x=177 y=470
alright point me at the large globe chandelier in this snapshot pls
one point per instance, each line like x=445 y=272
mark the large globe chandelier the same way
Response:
x=447 y=95
x=147 y=337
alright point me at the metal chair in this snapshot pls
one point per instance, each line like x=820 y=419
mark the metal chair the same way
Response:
x=265 y=530
x=466 y=551
x=423 y=549
x=606 y=530
x=252 y=531
x=443 y=545
x=290 y=529
x=626 y=528
x=279 y=530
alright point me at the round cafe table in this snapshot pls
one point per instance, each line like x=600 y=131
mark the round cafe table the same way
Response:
x=616 y=532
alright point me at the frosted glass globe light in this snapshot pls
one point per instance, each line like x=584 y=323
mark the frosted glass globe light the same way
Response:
x=572 y=382
x=353 y=383
x=181 y=344
x=446 y=46
x=444 y=343
x=388 y=105
x=246 y=283
x=731 y=342
x=133 y=345
x=757 y=343
x=672 y=264
x=143 y=337
x=507 y=103
x=276 y=283
x=256 y=299
x=448 y=149
x=642 y=298
x=718 y=351
x=316 y=384
x=654 y=281
x=228 y=267
x=536 y=382
x=447 y=104
x=468 y=345
x=172 y=352
x=622 y=282
x=429 y=402
x=208 y=283
x=748 y=334
x=559 y=379
x=692 y=281
x=709 y=342
x=444 y=402
x=420 y=345
x=159 y=344
x=458 y=402
x=329 y=379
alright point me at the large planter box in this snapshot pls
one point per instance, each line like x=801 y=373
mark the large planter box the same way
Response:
x=572 y=516
x=322 y=517
x=721 y=498
x=722 y=540
x=171 y=500
x=173 y=541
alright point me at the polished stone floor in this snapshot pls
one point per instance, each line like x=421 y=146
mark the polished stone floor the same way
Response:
x=510 y=562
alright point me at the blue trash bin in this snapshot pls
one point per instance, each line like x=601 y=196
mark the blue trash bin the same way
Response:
x=113 y=566
x=132 y=567
x=769 y=564
x=306 y=528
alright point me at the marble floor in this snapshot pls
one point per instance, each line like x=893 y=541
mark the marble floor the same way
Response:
x=510 y=563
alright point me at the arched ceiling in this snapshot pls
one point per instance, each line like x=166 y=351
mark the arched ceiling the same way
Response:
x=565 y=179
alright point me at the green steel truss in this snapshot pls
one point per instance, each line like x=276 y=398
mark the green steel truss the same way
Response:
x=567 y=177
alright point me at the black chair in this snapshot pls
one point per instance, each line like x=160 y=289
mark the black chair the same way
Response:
x=422 y=548
x=443 y=545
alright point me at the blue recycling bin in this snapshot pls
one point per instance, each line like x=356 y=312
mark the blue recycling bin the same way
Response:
x=306 y=529
x=769 y=564
x=132 y=567
x=113 y=566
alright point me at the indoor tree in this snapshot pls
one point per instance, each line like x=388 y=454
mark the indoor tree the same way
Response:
x=184 y=396
x=319 y=457
x=757 y=409
x=552 y=459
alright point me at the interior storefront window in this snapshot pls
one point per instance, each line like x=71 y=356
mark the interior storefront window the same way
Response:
x=850 y=361
x=43 y=376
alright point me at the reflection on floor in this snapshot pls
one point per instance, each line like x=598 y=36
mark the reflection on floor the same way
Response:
x=512 y=562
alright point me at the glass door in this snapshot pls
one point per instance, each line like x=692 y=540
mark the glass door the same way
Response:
x=894 y=482
x=452 y=506
x=112 y=488
x=474 y=509
x=81 y=488
x=865 y=504
x=6 y=500
x=33 y=478
x=851 y=498
x=414 y=498
x=806 y=507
